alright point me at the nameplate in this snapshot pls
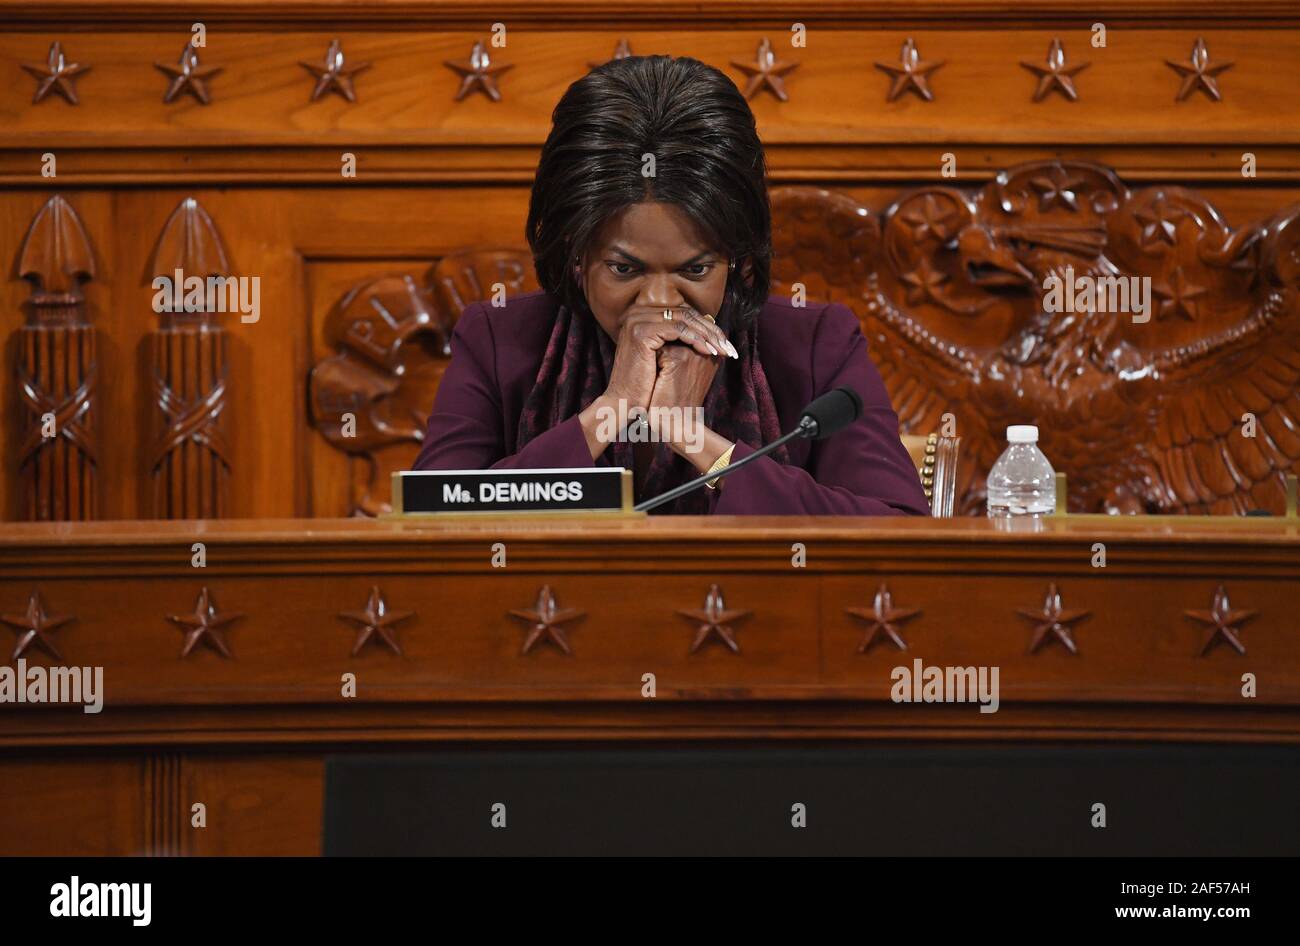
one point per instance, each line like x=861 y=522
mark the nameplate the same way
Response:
x=594 y=489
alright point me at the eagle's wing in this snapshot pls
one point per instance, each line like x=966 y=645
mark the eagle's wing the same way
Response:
x=1229 y=425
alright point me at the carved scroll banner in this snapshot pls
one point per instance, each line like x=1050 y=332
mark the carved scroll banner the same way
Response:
x=189 y=461
x=57 y=452
x=392 y=337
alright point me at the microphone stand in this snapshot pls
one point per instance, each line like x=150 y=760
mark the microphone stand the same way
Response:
x=807 y=428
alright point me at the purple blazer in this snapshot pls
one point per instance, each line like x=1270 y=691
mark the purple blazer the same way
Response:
x=864 y=470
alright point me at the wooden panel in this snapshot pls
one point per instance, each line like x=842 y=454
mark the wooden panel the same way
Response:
x=462 y=642
x=308 y=252
x=90 y=806
x=134 y=805
x=257 y=805
x=1176 y=398
x=275 y=236
x=283 y=602
x=262 y=95
x=404 y=14
x=247 y=734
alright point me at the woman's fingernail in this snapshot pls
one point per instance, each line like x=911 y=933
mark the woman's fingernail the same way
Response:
x=732 y=348
x=711 y=348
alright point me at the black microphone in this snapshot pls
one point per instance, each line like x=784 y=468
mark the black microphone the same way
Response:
x=826 y=415
x=831 y=413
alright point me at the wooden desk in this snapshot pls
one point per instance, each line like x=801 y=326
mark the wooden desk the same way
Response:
x=247 y=733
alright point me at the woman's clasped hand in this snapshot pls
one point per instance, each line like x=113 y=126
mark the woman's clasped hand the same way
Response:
x=665 y=363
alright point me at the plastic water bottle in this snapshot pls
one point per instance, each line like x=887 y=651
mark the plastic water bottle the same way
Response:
x=1022 y=483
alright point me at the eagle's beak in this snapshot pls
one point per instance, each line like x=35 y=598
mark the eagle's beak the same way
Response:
x=990 y=264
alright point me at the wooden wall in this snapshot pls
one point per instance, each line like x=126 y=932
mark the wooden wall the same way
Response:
x=250 y=183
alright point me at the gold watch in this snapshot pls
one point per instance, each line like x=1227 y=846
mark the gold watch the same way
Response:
x=718 y=464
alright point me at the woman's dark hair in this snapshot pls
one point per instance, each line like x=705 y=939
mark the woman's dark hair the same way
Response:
x=708 y=161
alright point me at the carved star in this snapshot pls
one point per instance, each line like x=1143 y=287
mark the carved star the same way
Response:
x=376 y=622
x=188 y=76
x=930 y=221
x=885 y=619
x=204 y=624
x=766 y=71
x=33 y=624
x=1053 y=619
x=621 y=51
x=1178 y=299
x=1222 y=621
x=546 y=619
x=910 y=73
x=923 y=281
x=714 y=619
x=1159 y=223
x=55 y=75
x=1056 y=74
x=1200 y=74
x=334 y=74
x=478 y=72
x=1056 y=187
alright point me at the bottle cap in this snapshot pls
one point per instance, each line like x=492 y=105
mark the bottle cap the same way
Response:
x=1022 y=433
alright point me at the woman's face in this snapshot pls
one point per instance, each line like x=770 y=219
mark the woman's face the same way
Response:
x=651 y=254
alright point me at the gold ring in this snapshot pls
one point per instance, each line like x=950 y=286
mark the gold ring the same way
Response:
x=709 y=317
x=668 y=315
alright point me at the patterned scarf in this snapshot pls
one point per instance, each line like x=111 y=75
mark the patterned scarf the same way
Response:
x=575 y=371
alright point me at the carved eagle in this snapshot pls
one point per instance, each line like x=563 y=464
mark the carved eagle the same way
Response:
x=1191 y=406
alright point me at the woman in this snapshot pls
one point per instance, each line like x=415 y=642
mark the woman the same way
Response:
x=651 y=233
